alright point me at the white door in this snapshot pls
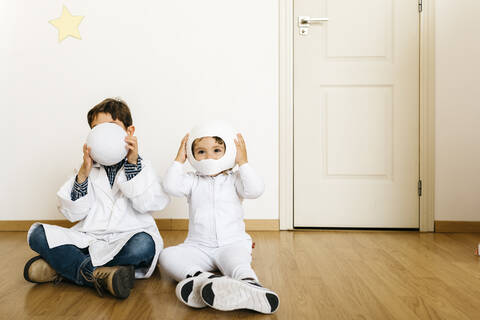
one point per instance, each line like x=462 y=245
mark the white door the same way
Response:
x=356 y=114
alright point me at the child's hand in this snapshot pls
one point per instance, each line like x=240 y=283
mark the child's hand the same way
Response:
x=132 y=146
x=182 y=151
x=241 y=157
x=86 y=165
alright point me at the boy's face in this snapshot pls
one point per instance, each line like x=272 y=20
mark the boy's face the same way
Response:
x=208 y=148
x=103 y=117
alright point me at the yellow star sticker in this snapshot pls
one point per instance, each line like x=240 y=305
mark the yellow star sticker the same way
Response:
x=67 y=25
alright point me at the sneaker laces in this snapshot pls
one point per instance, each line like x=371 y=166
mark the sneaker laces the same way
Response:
x=252 y=281
x=196 y=274
x=57 y=279
x=97 y=280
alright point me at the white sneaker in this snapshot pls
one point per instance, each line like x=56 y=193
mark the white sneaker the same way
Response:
x=188 y=290
x=228 y=294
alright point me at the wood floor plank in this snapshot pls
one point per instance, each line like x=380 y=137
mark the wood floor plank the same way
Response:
x=318 y=275
x=421 y=276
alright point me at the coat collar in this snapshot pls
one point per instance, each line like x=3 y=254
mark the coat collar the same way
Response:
x=100 y=180
x=98 y=165
x=226 y=173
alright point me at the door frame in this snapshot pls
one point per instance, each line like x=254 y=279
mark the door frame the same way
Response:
x=426 y=114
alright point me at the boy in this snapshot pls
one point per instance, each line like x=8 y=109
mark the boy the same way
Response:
x=116 y=238
x=216 y=234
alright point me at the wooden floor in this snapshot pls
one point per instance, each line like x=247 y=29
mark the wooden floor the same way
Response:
x=317 y=274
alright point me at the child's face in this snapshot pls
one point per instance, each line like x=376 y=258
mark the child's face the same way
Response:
x=103 y=117
x=208 y=148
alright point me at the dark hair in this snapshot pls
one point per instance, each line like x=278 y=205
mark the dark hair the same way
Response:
x=117 y=108
x=217 y=140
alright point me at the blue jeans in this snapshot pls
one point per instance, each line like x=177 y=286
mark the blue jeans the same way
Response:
x=68 y=259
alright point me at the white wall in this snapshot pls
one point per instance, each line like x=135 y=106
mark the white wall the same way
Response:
x=176 y=63
x=457 y=193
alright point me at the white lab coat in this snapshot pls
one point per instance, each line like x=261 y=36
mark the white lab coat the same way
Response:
x=215 y=203
x=109 y=216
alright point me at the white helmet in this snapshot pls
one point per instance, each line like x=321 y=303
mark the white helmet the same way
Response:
x=213 y=129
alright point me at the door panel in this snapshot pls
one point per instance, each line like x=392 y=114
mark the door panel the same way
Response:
x=356 y=123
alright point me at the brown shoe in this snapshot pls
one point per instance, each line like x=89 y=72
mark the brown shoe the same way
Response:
x=117 y=280
x=37 y=270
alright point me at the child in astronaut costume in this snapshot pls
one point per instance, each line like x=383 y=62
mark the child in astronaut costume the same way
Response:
x=216 y=234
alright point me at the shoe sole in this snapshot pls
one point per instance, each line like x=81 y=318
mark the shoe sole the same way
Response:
x=228 y=294
x=131 y=278
x=123 y=282
x=188 y=291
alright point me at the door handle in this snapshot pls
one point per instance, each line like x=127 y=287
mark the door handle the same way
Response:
x=305 y=21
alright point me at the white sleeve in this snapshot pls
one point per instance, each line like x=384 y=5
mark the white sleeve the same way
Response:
x=248 y=184
x=176 y=182
x=78 y=209
x=145 y=190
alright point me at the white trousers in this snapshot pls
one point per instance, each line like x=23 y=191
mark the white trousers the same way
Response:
x=232 y=260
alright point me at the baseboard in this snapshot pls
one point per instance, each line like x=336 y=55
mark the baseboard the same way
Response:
x=162 y=224
x=24 y=225
x=457 y=226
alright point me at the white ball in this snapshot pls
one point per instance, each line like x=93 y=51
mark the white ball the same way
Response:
x=107 y=143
